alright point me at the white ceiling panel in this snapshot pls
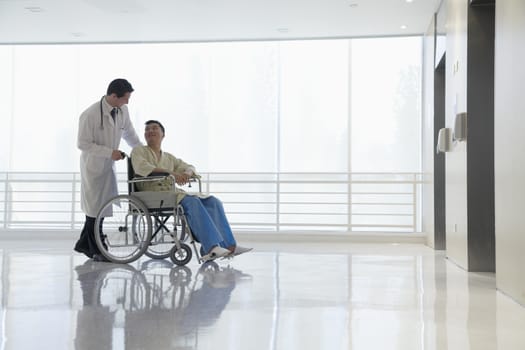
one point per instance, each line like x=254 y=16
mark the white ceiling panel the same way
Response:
x=112 y=21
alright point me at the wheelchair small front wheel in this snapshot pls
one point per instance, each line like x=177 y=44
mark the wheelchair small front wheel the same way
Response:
x=180 y=276
x=181 y=256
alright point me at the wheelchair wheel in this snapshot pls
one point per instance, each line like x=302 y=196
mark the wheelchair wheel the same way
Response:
x=181 y=256
x=115 y=285
x=150 y=266
x=126 y=229
x=180 y=276
x=161 y=243
x=209 y=266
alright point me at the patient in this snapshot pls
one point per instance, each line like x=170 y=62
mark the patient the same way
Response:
x=205 y=215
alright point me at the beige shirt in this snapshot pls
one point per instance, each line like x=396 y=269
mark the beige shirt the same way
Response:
x=144 y=160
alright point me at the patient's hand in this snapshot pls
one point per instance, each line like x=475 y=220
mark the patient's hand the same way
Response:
x=181 y=179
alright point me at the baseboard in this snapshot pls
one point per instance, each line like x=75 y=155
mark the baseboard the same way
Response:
x=324 y=237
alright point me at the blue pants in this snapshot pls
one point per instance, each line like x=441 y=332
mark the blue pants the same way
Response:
x=208 y=222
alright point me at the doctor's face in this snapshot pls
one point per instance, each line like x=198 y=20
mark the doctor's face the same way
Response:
x=120 y=101
x=153 y=134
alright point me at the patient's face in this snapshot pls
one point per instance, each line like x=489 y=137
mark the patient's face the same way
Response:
x=153 y=133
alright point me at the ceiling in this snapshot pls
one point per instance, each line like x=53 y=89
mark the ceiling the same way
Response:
x=114 y=21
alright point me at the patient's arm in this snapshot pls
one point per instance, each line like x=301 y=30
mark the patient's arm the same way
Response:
x=180 y=179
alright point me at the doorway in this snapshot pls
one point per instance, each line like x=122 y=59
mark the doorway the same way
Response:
x=440 y=236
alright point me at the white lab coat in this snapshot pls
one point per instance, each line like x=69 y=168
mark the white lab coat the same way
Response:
x=97 y=169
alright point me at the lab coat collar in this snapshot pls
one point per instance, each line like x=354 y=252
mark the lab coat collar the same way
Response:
x=106 y=108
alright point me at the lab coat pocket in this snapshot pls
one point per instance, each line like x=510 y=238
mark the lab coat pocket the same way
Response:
x=95 y=165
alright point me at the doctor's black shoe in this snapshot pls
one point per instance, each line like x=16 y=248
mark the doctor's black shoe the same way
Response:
x=100 y=257
x=83 y=251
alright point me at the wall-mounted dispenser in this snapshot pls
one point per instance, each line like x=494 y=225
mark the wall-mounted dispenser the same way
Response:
x=460 y=127
x=444 y=143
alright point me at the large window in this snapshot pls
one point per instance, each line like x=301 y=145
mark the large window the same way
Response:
x=319 y=106
x=295 y=106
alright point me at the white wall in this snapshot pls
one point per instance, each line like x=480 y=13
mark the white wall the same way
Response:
x=427 y=146
x=509 y=147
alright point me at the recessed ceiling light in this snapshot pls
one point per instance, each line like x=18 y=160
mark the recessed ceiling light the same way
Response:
x=283 y=30
x=403 y=27
x=409 y=0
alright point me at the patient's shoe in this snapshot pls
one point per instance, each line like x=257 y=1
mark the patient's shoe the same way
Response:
x=240 y=250
x=215 y=252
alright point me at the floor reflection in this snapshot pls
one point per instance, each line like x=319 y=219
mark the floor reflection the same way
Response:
x=308 y=297
x=158 y=303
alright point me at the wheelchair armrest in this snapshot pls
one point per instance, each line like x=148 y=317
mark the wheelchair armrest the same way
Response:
x=149 y=178
x=158 y=174
x=162 y=176
x=196 y=178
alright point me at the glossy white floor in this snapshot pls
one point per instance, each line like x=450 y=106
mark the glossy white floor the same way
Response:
x=285 y=296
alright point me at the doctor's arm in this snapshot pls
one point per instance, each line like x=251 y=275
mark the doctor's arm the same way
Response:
x=129 y=134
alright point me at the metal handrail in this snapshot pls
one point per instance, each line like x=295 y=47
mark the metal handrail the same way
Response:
x=315 y=201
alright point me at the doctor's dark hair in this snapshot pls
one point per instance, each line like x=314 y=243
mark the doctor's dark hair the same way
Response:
x=119 y=87
x=158 y=123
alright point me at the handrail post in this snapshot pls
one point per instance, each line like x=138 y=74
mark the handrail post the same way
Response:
x=6 y=199
x=414 y=202
x=277 y=204
x=349 y=200
x=73 y=200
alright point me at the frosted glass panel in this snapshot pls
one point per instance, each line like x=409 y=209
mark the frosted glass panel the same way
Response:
x=243 y=107
x=386 y=104
x=6 y=102
x=44 y=103
x=247 y=106
x=314 y=106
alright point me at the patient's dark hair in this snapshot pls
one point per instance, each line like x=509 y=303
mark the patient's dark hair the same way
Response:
x=156 y=122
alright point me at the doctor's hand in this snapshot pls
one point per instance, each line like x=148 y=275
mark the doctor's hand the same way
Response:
x=116 y=155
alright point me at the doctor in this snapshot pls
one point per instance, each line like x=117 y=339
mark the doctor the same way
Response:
x=100 y=129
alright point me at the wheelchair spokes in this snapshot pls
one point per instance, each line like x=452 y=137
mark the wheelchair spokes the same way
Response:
x=126 y=229
x=162 y=240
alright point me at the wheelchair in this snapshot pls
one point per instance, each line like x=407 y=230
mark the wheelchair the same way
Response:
x=145 y=222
